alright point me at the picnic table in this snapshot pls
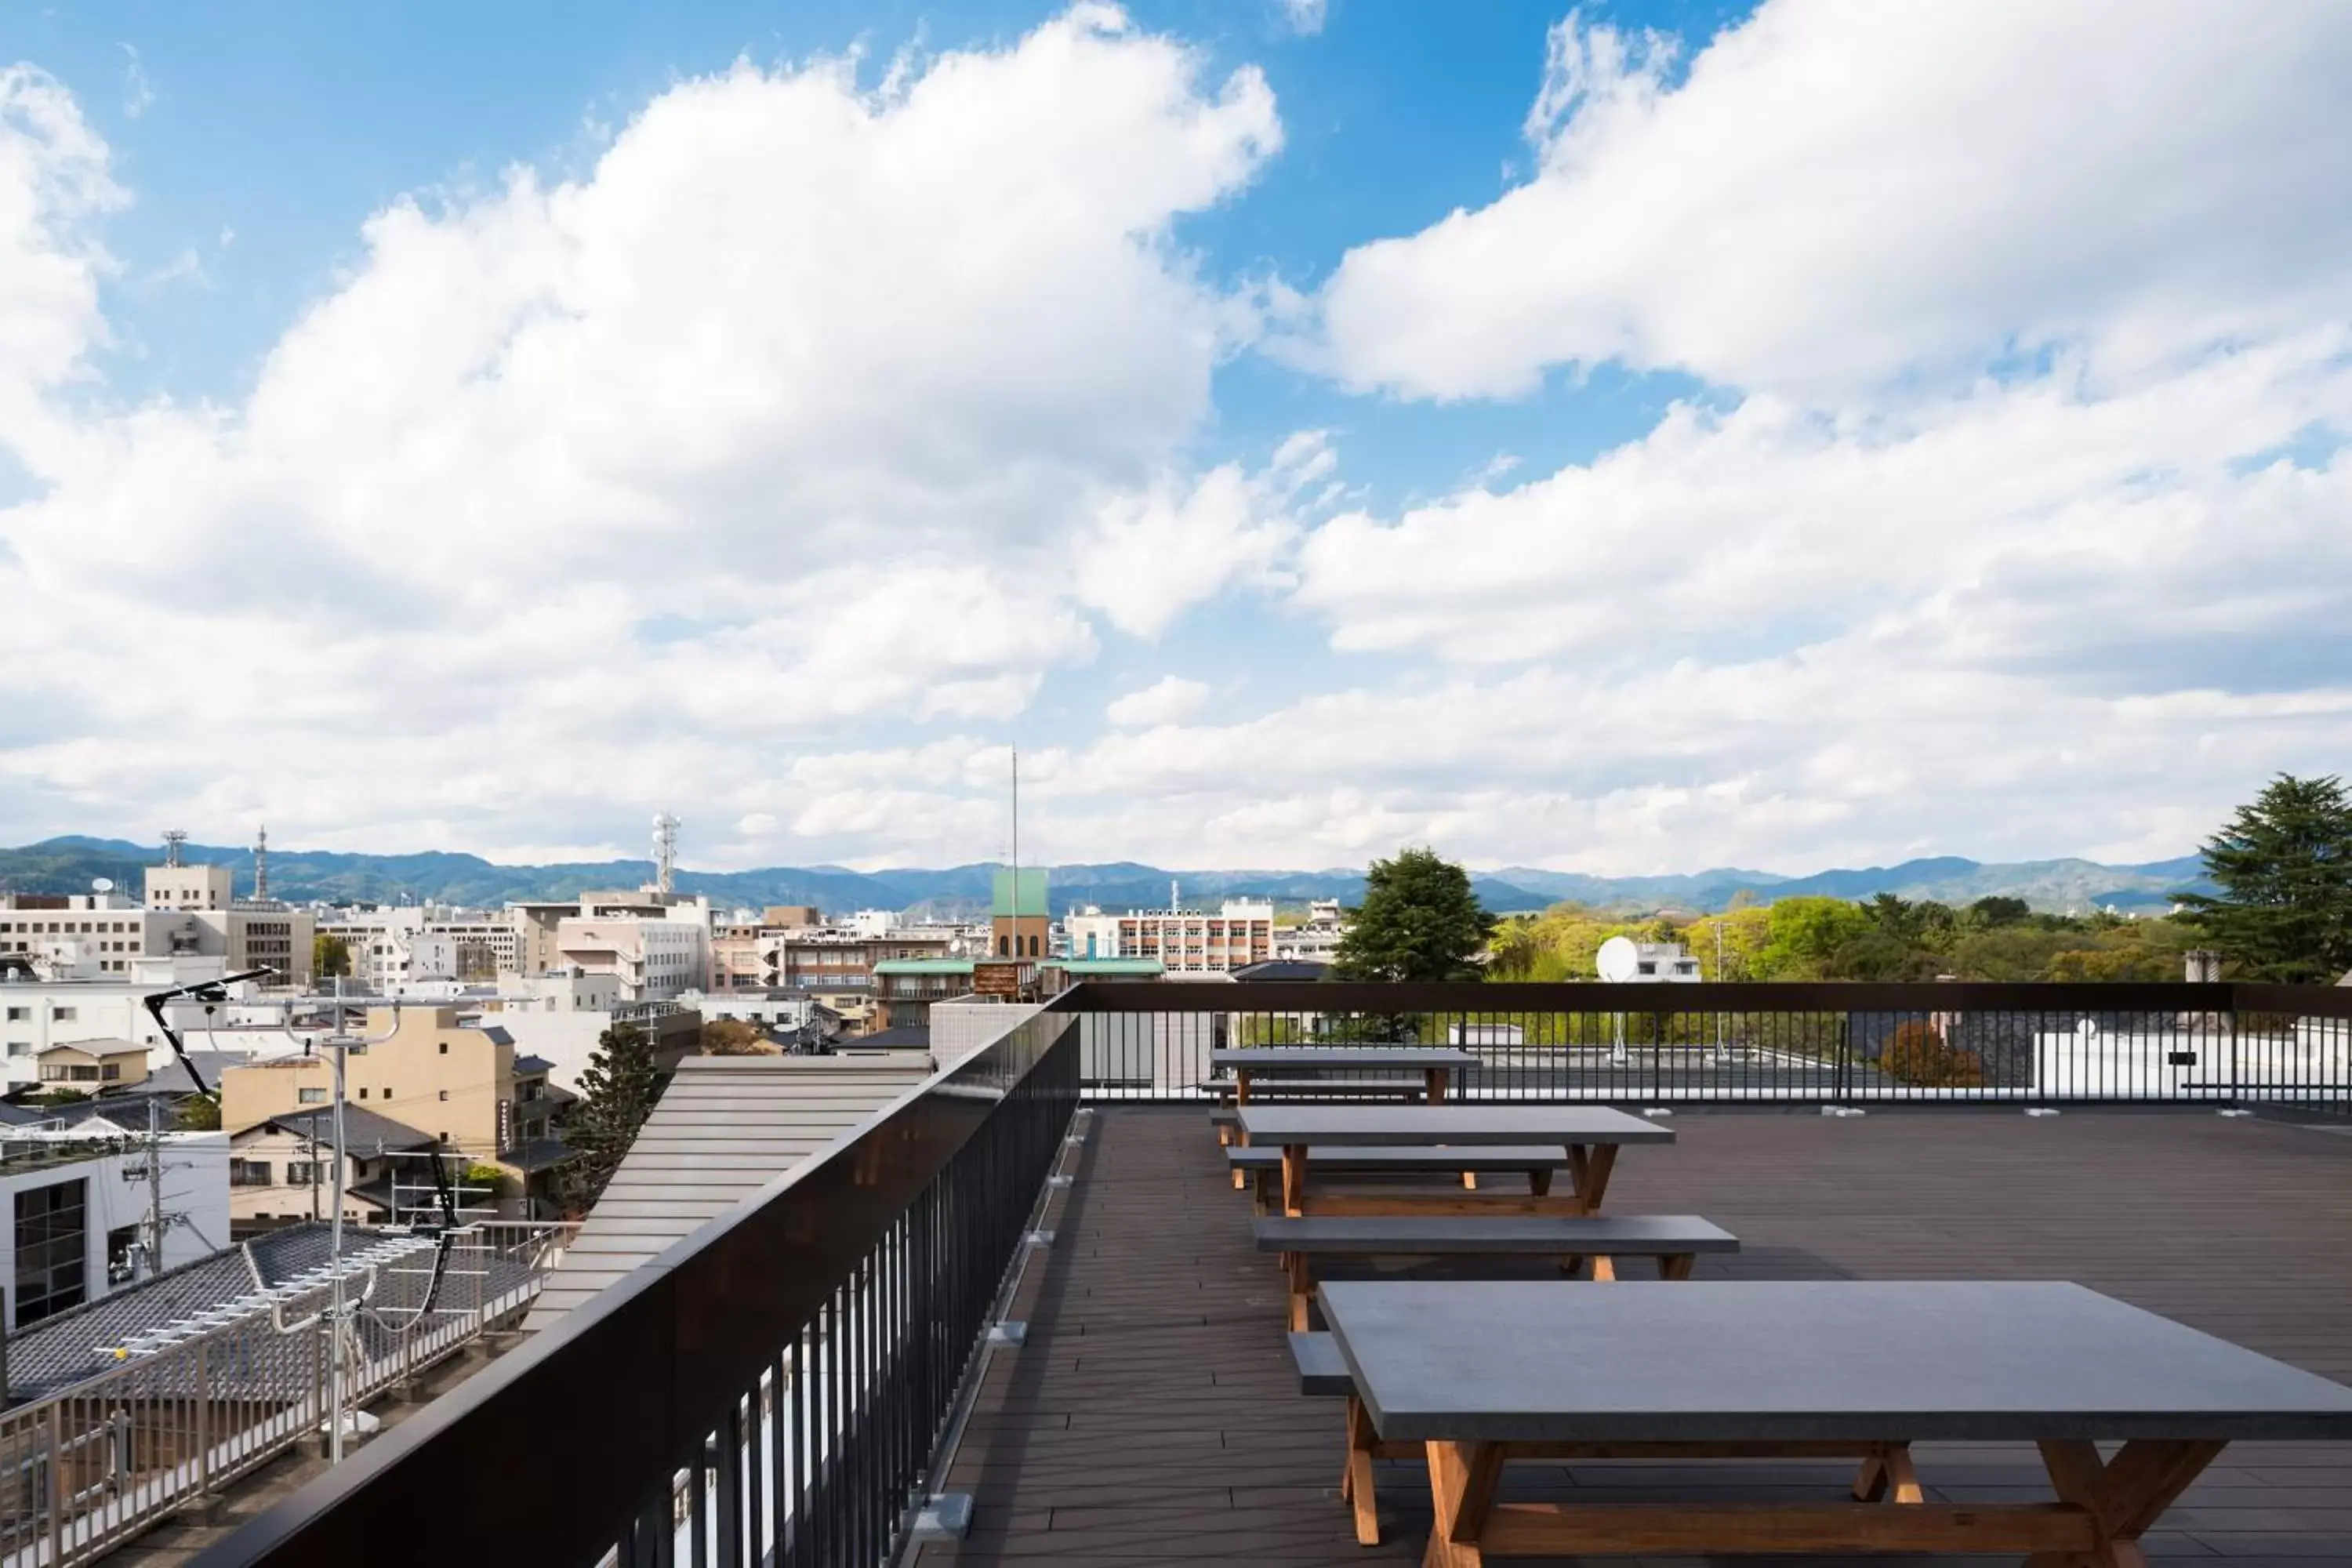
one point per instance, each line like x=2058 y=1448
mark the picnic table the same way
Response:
x=1486 y=1373
x=1592 y=1134
x=1433 y=1063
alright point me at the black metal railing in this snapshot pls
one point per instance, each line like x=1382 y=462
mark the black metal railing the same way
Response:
x=2231 y=1045
x=770 y=1389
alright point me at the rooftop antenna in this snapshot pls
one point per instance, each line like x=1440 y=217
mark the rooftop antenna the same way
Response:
x=261 y=865
x=1175 y=904
x=666 y=828
x=343 y=1043
x=1017 y=831
x=173 y=839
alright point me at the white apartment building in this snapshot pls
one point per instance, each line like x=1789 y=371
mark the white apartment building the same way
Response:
x=393 y=942
x=38 y=1014
x=874 y=923
x=653 y=957
x=1315 y=940
x=1185 y=941
x=75 y=1212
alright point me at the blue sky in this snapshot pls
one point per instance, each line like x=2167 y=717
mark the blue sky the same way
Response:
x=1631 y=439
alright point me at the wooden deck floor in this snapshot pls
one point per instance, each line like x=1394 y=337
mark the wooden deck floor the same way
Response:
x=1153 y=1417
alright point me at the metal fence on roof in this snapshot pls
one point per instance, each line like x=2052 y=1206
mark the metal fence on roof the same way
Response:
x=195 y=1405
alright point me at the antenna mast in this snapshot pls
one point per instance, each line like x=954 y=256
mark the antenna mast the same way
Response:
x=261 y=865
x=173 y=839
x=1016 y=832
x=666 y=828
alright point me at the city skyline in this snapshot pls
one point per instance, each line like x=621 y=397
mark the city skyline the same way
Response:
x=1567 y=438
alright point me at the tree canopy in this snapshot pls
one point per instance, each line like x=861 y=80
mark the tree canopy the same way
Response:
x=2285 y=866
x=331 y=955
x=618 y=1091
x=1419 y=921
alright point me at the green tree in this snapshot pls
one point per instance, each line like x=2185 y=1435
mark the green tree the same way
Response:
x=734 y=1037
x=2284 y=865
x=330 y=956
x=197 y=1113
x=1998 y=910
x=618 y=1091
x=1806 y=934
x=1420 y=921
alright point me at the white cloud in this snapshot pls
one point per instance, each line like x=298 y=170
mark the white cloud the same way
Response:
x=820 y=382
x=1304 y=18
x=1843 y=193
x=139 y=93
x=1171 y=700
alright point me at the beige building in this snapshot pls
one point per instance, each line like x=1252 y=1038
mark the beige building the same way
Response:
x=283 y=1168
x=94 y=1065
x=463 y=1083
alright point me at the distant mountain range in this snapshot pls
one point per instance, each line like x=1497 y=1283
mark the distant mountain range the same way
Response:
x=70 y=864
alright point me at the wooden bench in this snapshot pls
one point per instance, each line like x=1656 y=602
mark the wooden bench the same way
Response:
x=1264 y=1166
x=1409 y=1088
x=1675 y=1240
x=1887 y=1472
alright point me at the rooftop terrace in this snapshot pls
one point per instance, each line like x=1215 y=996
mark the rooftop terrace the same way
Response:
x=1153 y=1414
x=776 y=1384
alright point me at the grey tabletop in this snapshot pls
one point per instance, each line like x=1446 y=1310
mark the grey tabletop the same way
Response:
x=1296 y=1056
x=1449 y=1124
x=1836 y=1359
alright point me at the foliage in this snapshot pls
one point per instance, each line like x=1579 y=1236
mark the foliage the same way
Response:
x=58 y=1096
x=2000 y=911
x=1419 y=921
x=1806 y=934
x=1882 y=939
x=2285 y=866
x=197 y=1113
x=618 y=1091
x=331 y=955
x=494 y=1181
x=1917 y=1053
x=734 y=1037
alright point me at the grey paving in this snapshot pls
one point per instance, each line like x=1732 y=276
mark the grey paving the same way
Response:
x=1155 y=1415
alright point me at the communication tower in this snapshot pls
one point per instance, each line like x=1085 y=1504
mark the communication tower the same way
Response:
x=173 y=839
x=666 y=828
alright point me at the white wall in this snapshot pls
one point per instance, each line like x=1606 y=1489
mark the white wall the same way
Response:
x=195 y=1186
x=962 y=1027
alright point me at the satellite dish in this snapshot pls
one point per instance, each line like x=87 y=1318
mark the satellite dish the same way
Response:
x=102 y=884
x=1618 y=960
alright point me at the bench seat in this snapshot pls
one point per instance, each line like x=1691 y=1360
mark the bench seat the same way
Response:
x=1409 y=1157
x=1322 y=1370
x=1675 y=1240
x=1300 y=1087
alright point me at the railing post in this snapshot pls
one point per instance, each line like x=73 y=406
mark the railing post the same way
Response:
x=203 y=1422
x=56 y=1488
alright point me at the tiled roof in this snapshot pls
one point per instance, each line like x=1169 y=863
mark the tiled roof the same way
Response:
x=63 y=1351
x=526 y=1066
x=364 y=1131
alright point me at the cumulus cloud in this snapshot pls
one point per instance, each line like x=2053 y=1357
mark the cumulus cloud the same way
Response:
x=1171 y=700
x=1841 y=194
x=829 y=376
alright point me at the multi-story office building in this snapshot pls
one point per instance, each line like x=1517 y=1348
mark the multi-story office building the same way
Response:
x=391 y=943
x=1185 y=941
x=76 y=1215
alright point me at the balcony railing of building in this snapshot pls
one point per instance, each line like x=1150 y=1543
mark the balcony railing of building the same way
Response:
x=192 y=1408
x=2227 y=1045
x=770 y=1389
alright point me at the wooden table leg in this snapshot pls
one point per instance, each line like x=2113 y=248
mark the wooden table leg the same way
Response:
x=1436 y=1077
x=1588 y=1169
x=2125 y=1495
x=1356 y=1484
x=1677 y=1265
x=1539 y=1181
x=1889 y=1473
x=1462 y=1478
x=1298 y=1271
x=1241 y=1086
x=1294 y=1178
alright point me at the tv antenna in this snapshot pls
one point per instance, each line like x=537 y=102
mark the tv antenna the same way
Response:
x=173 y=838
x=339 y=1038
x=1618 y=961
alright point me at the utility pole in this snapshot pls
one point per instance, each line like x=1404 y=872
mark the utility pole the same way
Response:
x=343 y=1042
x=155 y=1186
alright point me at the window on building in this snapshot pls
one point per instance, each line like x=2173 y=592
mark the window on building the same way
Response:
x=445 y=1048
x=20 y=1015
x=61 y=1014
x=310 y=1097
x=445 y=1094
x=52 y=1273
x=122 y=1254
x=299 y=1173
